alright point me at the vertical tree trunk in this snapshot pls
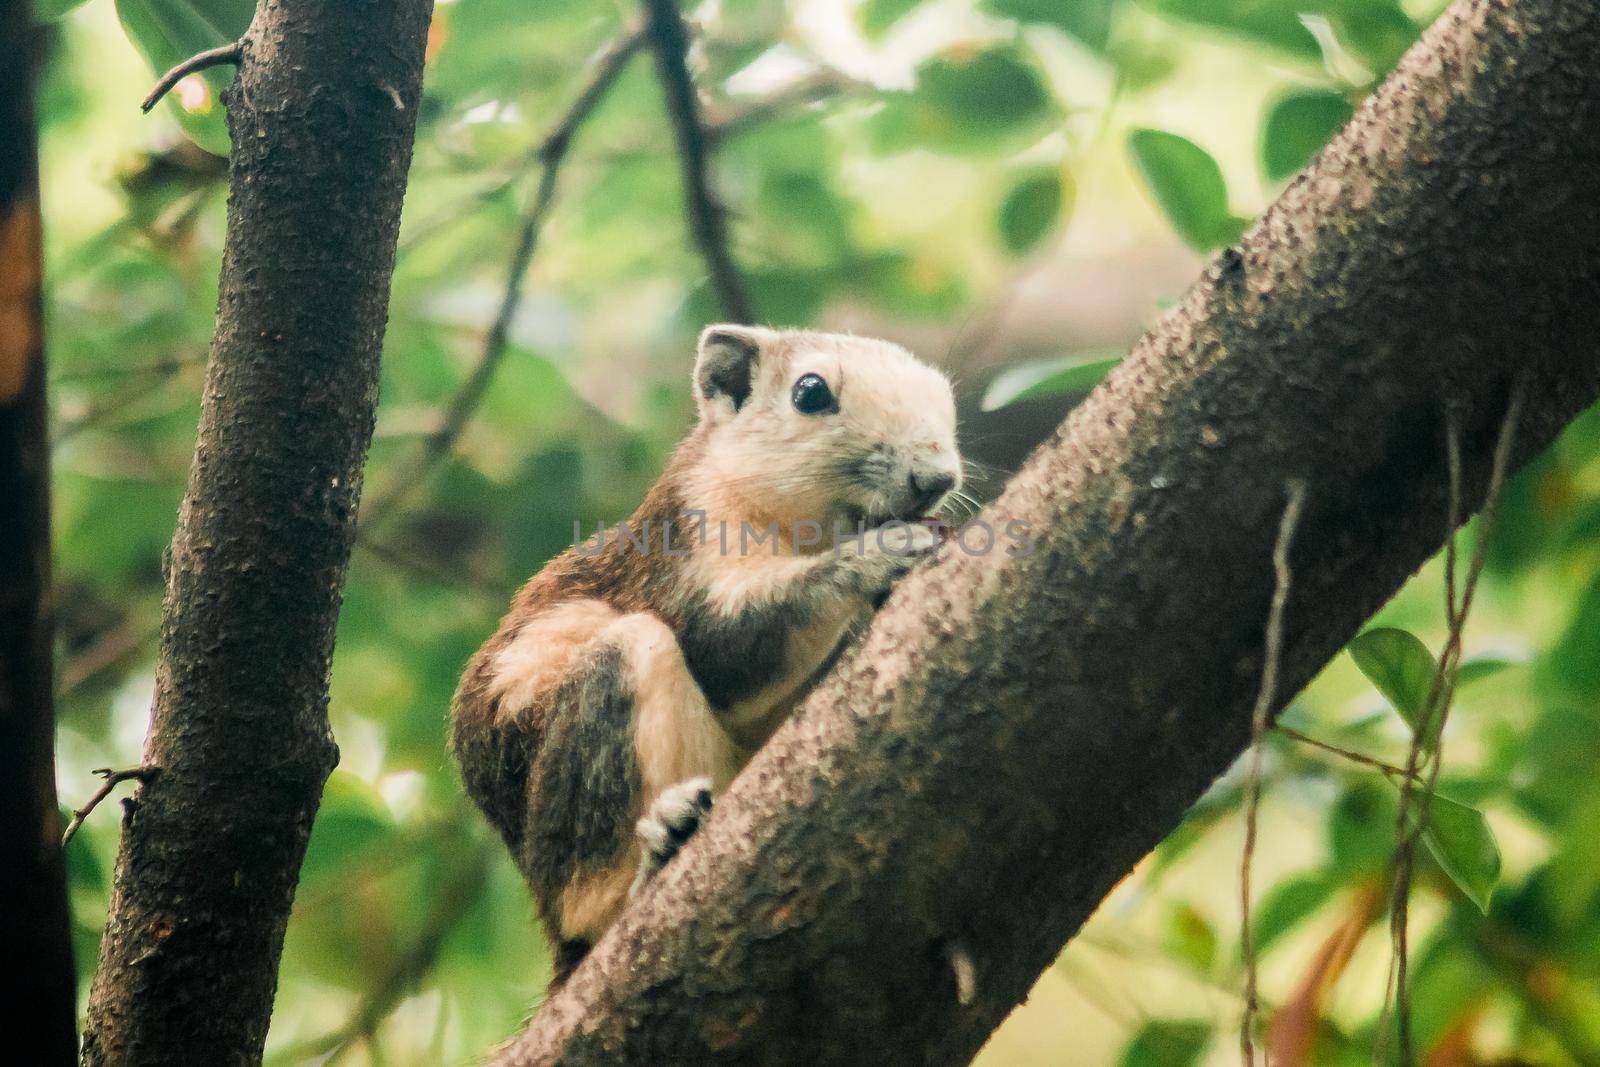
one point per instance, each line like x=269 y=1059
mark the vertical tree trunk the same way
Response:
x=35 y=936
x=322 y=116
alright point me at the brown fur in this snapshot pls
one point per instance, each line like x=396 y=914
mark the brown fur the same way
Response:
x=619 y=674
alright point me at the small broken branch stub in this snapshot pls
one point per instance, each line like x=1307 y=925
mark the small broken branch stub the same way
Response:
x=113 y=779
x=211 y=57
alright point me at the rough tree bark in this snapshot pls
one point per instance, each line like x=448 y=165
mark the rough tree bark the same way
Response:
x=322 y=116
x=1016 y=732
x=33 y=888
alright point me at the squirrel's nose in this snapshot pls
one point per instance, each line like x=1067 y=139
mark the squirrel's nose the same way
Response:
x=929 y=487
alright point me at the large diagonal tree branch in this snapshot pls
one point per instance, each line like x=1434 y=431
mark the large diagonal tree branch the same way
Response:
x=322 y=116
x=1016 y=731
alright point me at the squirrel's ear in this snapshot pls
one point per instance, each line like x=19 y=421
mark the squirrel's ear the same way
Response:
x=724 y=370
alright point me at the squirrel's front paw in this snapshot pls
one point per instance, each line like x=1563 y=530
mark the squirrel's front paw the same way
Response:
x=887 y=552
x=894 y=543
x=906 y=539
x=672 y=819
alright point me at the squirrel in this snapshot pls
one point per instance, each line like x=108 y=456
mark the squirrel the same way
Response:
x=631 y=681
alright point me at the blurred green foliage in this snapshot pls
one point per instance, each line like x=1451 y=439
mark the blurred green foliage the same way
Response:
x=1189 y=186
x=908 y=167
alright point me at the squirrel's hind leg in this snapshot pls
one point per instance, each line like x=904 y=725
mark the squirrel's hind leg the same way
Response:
x=684 y=752
x=638 y=699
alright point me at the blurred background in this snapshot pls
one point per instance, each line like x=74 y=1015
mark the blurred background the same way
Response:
x=1015 y=189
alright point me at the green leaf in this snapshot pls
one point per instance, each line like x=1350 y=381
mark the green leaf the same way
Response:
x=49 y=10
x=351 y=820
x=1297 y=127
x=1574 y=663
x=1288 y=904
x=1479 y=668
x=1189 y=937
x=1031 y=209
x=1461 y=841
x=995 y=85
x=1556 y=762
x=1402 y=669
x=876 y=16
x=1189 y=187
x=1221 y=800
x=1450 y=973
x=83 y=866
x=1361 y=828
x=967 y=101
x=1141 y=64
x=1275 y=25
x=1167 y=1043
x=1051 y=377
x=1377 y=31
x=167 y=32
x=1087 y=20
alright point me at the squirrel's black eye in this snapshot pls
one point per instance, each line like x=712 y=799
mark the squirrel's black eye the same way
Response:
x=812 y=396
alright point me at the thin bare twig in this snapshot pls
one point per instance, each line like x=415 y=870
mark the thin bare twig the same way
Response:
x=727 y=123
x=107 y=649
x=669 y=40
x=122 y=408
x=1452 y=458
x=211 y=57
x=1396 y=983
x=112 y=780
x=1343 y=753
x=463 y=576
x=1399 y=912
x=1409 y=823
x=607 y=66
x=550 y=153
x=1259 y=721
x=168 y=366
x=731 y=120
